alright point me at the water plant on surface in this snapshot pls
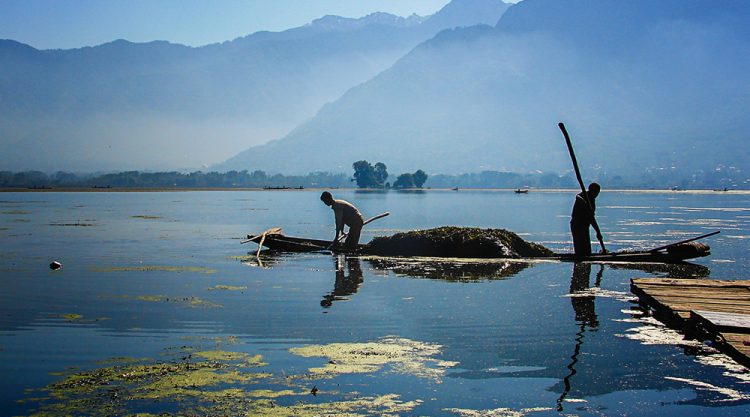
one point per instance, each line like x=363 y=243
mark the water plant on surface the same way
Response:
x=222 y=382
x=151 y=268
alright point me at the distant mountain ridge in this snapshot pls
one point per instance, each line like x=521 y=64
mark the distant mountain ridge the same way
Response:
x=159 y=105
x=643 y=86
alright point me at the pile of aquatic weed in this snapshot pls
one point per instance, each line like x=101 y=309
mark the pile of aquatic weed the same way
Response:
x=456 y=242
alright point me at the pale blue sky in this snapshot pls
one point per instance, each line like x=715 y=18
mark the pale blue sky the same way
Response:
x=46 y=24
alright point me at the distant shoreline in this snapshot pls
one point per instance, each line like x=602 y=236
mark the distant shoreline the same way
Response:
x=408 y=190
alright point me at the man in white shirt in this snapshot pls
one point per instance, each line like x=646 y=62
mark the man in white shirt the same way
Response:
x=346 y=214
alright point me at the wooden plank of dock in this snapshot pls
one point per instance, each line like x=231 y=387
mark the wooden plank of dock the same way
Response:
x=719 y=310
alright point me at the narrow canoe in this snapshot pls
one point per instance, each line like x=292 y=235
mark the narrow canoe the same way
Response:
x=283 y=243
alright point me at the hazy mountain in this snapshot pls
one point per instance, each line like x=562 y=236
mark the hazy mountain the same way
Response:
x=159 y=105
x=641 y=84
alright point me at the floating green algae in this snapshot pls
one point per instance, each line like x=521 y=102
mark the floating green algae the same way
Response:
x=400 y=355
x=152 y=298
x=192 y=382
x=189 y=301
x=68 y=316
x=227 y=356
x=226 y=288
x=456 y=242
x=150 y=268
x=497 y=412
x=221 y=385
x=383 y=405
x=16 y=212
x=130 y=384
x=76 y=224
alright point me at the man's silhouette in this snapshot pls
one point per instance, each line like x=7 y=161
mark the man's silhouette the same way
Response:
x=583 y=217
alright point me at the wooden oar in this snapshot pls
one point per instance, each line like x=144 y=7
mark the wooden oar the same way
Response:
x=381 y=215
x=684 y=241
x=580 y=182
x=271 y=231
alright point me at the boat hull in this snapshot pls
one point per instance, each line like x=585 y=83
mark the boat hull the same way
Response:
x=282 y=243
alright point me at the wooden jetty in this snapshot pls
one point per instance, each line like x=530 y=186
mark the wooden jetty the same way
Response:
x=702 y=308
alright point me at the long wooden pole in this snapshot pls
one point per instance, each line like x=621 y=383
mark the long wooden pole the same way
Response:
x=685 y=241
x=580 y=181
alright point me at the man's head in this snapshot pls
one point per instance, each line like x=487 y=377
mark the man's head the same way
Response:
x=594 y=189
x=327 y=198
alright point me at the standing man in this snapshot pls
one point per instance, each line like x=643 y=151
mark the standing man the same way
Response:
x=346 y=214
x=583 y=217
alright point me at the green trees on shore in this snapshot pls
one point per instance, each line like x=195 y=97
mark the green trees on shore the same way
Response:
x=415 y=180
x=368 y=176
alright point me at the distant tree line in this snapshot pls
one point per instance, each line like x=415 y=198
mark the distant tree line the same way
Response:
x=197 y=179
x=719 y=178
x=375 y=176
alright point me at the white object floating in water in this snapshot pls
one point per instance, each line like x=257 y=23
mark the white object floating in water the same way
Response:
x=55 y=265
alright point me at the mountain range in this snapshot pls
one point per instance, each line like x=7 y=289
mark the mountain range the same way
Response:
x=643 y=86
x=160 y=106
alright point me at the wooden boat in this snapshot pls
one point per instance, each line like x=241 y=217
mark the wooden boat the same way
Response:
x=521 y=191
x=668 y=254
x=664 y=256
x=283 y=243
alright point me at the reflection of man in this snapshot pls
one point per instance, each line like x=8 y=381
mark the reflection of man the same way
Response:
x=346 y=214
x=583 y=305
x=585 y=312
x=583 y=217
x=344 y=285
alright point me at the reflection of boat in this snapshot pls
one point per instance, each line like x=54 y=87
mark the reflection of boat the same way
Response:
x=671 y=254
x=448 y=270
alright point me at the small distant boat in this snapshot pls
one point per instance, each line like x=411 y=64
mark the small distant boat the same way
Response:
x=521 y=191
x=454 y=188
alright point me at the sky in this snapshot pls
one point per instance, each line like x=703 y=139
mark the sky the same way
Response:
x=64 y=24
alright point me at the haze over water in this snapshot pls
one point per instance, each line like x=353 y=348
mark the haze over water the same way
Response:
x=161 y=278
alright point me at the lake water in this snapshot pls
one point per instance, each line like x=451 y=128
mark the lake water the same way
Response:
x=158 y=308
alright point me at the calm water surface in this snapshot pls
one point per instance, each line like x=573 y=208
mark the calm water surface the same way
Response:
x=161 y=278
